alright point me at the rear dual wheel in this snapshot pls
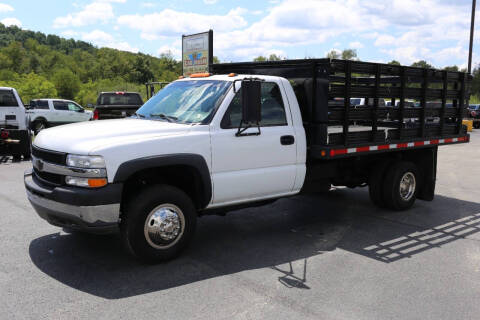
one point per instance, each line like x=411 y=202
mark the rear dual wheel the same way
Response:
x=394 y=185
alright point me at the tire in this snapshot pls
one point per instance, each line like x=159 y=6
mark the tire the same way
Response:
x=153 y=203
x=39 y=125
x=27 y=153
x=394 y=196
x=375 y=183
x=17 y=157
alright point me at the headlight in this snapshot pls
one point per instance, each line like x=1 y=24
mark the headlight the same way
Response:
x=85 y=161
x=86 y=182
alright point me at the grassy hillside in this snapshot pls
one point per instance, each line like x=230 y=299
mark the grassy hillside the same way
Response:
x=41 y=66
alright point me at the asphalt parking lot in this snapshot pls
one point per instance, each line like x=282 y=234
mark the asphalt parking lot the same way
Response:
x=328 y=256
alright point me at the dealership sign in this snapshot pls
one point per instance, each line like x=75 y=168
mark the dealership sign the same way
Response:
x=197 y=52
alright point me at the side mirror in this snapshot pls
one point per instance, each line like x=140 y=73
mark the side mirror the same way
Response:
x=251 y=106
x=251 y=101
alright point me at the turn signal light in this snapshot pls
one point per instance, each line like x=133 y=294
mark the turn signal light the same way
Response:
x=4 y=134
x=97 y=183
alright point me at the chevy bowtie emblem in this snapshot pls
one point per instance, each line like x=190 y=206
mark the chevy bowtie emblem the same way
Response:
x=39 y=164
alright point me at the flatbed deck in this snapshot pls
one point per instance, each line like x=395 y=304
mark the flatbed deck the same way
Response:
x=324 y=88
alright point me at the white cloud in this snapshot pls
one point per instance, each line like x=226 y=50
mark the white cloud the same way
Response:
x=174 y=23
x=5 y=8
x=384 y=40
x=210 y=1
x=355 y=45
x=173 y=50
x=93 y=13
x=398 y=28
x=148 y=4
x=103 y=39
x=69 y=33
x=11 y=22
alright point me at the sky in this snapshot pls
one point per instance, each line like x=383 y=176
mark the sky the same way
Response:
x=380 y=30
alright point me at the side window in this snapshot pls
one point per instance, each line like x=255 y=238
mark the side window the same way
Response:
x=41 y=104
x=273 y=110
x=60 y=105
x=73 y=107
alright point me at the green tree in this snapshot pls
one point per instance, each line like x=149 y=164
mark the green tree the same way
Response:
x=349 y=54
x=260 y=59
x=67 y=83
x=394 y=63
x=334 y=54
x=422 y=64
x=87 y=94
x=33 y=86
x=451 y=68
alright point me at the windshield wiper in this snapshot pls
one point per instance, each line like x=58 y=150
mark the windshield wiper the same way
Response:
x=164 y=116
x=138 y=115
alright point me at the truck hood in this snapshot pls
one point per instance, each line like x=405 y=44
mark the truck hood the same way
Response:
x=87 y=137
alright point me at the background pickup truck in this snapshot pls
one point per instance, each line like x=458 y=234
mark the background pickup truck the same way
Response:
x=46 y=113
x=474 y=114
x=14 y=133
x=114 y=105
x=248 y=135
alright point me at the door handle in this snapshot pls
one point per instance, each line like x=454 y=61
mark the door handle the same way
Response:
x=287 y=140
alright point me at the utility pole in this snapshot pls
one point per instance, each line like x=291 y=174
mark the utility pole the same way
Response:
x=472 y=27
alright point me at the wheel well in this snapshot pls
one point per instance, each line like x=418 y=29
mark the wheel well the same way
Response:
x=184 y=177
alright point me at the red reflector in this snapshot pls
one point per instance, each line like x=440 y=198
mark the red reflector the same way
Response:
x=4 y=134
x=383 y=147
x=95 y=114
x=363 y=149
x=434 y=141
x=337 y=152
x=402 y=145
x=418 y=143
x=449 y=140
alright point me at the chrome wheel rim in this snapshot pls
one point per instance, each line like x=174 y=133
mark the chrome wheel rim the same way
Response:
x=408 y=185
x=164 y=226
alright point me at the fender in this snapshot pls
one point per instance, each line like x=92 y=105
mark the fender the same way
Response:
x=128 y=168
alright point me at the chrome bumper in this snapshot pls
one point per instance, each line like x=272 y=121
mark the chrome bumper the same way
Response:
x=95 y=219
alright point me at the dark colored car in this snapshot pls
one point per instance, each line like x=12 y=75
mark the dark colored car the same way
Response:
x=115 y=105
x=474 y=114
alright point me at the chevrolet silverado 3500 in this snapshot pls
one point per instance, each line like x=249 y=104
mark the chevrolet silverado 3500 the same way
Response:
x=245 y=135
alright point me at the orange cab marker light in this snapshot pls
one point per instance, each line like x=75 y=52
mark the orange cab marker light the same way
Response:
x=181 y=77
x=232 y=74
x=200 y=75
x=97 y=183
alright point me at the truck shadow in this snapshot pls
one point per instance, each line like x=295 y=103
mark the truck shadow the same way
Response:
x=289 y=231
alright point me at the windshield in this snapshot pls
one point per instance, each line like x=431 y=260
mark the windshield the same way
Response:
x=120 y=98
x=185 y=101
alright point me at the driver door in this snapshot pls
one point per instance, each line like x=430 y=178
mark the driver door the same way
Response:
x=254 y=167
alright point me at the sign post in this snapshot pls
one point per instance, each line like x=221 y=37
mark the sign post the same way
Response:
x=197 y=52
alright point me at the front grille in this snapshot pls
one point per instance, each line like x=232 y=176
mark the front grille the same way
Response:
x=50 y=178
x=50 y=156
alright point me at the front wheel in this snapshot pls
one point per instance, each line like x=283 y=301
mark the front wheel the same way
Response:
x=158 y=223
